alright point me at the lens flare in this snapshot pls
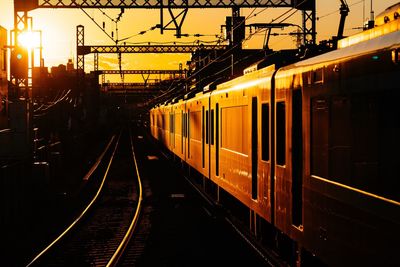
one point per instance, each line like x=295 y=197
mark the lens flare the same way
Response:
x=29 y=39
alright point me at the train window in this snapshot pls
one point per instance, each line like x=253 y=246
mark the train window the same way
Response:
x=188 y=132
x=195 y=120
x=340 y=138
x=217 y=139
x=173 y=129
x=182 y=130
x=207 y=127
x=183 y=124
x=318 y=76
x=170 y=123
x=202 y=124
x=212 y=128
x=396 y=56
x=353 y=139
x=234 y=129
x=386 y=128
x=319 y=137
x=265 y=135
x=202 y=138
x=281 y=133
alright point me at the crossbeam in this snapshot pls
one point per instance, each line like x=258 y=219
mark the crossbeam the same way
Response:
x=140 y=71
x=133 y=88
x=130 y=85
x=162 y=3
x=84 y=50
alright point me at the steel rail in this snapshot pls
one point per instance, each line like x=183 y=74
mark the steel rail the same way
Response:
x=83 y=213
x=268 y=258
x=121 y=248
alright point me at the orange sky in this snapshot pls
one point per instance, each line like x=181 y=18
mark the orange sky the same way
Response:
x=59 y=30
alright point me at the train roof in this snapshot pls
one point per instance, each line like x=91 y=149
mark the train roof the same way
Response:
x=248 y=79
x=389 y=14
x=370 y=34
x=389 y=40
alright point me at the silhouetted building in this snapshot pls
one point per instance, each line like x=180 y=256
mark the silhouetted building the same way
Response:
x=3 y=77
x=60 y=70
x=40 y=81
x=70 y=66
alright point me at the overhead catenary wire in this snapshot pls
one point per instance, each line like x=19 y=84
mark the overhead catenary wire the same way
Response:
x=338 y=10
x=226 y=55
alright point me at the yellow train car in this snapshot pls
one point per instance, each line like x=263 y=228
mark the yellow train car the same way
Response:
x=306 y=150
x=195 y=147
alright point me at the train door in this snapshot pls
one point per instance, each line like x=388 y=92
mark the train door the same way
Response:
x=205 y=149
x=178 y=130
x=264 y=157
x=288 y=155
x=297 y=159
x=188 y=135
x=214 y=139
x=282 y=196
x=254 y=148
x=185 y=133
x=171 y=129
x=182 y=138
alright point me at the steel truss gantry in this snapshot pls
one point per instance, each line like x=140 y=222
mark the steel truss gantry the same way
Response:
x=181 y=73
x=114 y=49
x=141 y=72
x=124 y=88
x=157 y=4
x=83 y=49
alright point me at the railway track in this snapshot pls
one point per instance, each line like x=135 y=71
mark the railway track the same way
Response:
x=175 y=228
x=226 y=218
x=101 y=232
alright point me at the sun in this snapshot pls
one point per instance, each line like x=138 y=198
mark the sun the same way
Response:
x=30 y=39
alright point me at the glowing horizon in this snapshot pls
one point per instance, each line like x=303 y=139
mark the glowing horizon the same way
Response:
x=58 y=29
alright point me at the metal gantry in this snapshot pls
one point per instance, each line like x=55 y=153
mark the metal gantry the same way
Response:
x=131 y=88
x=104 y=49
x=157 y=4
x=173 y=72
x=180 y=73
x=83 y=50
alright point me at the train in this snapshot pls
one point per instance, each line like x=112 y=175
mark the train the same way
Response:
x=310 y=149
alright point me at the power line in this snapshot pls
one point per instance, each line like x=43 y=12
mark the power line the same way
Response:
x=338 y=10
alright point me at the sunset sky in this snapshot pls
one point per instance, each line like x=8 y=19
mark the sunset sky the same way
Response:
x=59 y=30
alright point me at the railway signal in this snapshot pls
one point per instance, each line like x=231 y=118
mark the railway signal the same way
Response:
x=19 y=62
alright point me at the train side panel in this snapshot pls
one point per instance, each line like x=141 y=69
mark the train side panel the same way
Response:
x=179 y=144
x=198 y=135
x=238 y=166
x=164 y=125
x=195 y=140
x=264 y=157
x=288 y=154
x=350 y=186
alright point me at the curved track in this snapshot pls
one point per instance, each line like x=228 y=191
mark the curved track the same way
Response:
x=98 y=236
